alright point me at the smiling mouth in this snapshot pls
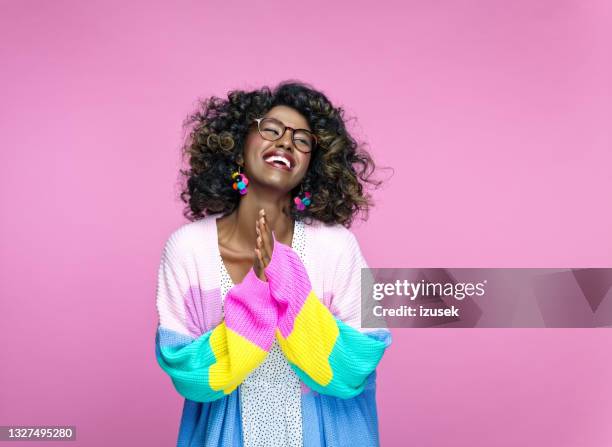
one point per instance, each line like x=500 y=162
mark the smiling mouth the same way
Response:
x=278 y=161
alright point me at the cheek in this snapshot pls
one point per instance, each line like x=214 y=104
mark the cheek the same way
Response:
x=251 y=145
x=304 y=165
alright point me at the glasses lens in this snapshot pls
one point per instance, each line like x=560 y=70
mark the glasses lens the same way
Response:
x=271 y=129
x=303 y=140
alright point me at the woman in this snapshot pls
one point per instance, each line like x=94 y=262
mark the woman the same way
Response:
x=259 y=295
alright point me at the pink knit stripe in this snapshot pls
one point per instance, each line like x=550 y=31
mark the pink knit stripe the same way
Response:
x=202 y=310
x=251 y=312
x=286 y=318
x=289 y=285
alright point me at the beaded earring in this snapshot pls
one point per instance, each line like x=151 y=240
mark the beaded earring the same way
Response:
x=240 y=182
x=302 y=202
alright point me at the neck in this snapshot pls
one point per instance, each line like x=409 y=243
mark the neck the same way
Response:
x=241 y=223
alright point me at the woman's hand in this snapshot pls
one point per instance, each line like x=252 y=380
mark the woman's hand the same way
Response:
x=264 y=245
x=258 y=267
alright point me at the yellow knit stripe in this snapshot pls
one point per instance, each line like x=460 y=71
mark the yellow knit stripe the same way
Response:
x=312 y=340
x=233 y=364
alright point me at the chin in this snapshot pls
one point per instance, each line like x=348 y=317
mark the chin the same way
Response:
x=277 y=179
x=280 y=187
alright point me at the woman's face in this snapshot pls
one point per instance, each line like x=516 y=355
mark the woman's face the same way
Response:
x=261 y=156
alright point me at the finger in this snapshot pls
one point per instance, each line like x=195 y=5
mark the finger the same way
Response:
x=265 y=259
x=258 y=266
x=264 y=228
x=264 y=255
x=261 y=258
x=260 y=230
x=263 y=265
x=258 y=239
x=256 y=262
x=267 y=238
x=265 y=245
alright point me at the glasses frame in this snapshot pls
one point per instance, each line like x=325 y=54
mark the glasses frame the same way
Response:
x=259 y=120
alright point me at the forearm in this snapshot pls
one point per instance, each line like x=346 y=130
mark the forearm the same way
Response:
x=214 y=364
x=329 y=355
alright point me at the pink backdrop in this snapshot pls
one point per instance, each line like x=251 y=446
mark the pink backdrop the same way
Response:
x=494 y=114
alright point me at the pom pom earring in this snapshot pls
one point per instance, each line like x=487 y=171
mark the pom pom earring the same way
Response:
x=240 y=182
x=301 y=203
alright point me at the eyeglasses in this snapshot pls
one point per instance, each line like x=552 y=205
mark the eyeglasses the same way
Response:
x=272 y=129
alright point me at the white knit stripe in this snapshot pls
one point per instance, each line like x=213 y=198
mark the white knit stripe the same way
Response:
x=206 y=243
x=184 y=264
x=172 y=285
x=336 y=269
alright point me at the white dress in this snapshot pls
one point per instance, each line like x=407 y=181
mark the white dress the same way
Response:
x=270 y=397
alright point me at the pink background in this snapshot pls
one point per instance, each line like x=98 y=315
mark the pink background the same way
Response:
x=495 y=116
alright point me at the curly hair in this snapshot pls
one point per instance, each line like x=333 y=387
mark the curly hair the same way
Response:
x=338 y=171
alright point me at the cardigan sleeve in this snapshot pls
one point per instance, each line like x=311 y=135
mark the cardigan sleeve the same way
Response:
x=207 y=366
x=331 y=353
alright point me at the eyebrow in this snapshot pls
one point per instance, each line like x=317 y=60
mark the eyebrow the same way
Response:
x=287 y=125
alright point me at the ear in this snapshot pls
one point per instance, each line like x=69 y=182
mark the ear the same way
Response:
x=240 y=160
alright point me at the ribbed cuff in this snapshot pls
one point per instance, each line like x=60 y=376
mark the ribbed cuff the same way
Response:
x=251 y=311
x=286 y=274
x=256 y=289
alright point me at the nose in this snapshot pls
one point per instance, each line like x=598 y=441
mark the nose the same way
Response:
x=286 y=140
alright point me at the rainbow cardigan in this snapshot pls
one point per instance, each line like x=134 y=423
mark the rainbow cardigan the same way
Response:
x=312 y=307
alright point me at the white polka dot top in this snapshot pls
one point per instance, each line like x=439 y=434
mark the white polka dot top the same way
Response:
x=270 y=397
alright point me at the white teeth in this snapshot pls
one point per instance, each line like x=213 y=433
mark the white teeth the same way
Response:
x=273 y=158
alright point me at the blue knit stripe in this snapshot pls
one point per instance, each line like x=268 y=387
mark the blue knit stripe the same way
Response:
x=208 y=424
x=333 y=421
x=187 y=361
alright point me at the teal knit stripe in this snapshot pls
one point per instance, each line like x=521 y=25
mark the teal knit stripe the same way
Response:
x=354 y=357
x=187 y=361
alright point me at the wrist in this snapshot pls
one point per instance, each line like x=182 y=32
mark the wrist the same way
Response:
x=251 y=292
x=287 y=276
x=277 y=267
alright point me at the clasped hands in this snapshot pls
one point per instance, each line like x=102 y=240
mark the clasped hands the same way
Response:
x=263 y=256
x=264 y=245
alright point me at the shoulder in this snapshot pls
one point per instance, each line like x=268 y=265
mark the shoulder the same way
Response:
x=191 y=235
x=332 y=239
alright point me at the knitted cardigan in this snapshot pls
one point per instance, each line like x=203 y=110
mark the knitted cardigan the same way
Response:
x=313 y=308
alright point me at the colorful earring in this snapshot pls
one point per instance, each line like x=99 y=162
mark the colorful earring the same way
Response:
x=302 y=202
x=240 y=182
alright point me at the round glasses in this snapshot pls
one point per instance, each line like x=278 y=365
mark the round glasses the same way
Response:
x=272 y=129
